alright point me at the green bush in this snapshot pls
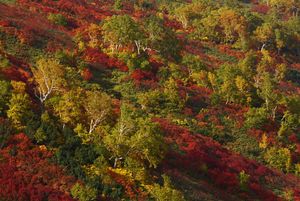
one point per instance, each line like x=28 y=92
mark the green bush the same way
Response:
x=4 y=63
x=58 y=19
x=166 y=192
x=83 y=193
x=244 y=180
x=256 y=118
x=279 y=158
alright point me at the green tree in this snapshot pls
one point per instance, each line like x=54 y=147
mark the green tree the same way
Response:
x=247 y=66
x=290 y=121
x=280 y=39
x=122 y=30
x=266 y=90
x=280 y=72
x=233 y=86
x=193 y=63
x=48 y=131
x=98 y=108
x=135 y=137
x=174 y=102
x=160 y=38
x=207 y=28
x=151 y=101
x=222 y=25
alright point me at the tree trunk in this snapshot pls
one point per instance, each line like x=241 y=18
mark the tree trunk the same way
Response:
x=263 y=47
x=274 y=113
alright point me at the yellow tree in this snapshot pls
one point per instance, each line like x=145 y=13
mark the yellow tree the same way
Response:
x=49 y=76
x=234 y=25
x=94 y=33
x=19 y=105
x=186 y=13
x=97 y=108
x=264 y=34
x=69 y=107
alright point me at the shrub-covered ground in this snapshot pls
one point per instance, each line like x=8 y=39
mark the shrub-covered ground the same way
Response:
x=150 y=100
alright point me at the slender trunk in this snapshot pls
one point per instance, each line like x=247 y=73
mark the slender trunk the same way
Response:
x=263 y=47
x=267 y=104
x=138 y=46
x=227 y=101
x=116 y=161
x=274 y=113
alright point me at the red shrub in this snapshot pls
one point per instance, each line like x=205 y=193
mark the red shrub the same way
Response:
x=261 y=8
x=99 y=58
x=222 y=166
x=26 y=174
x=263 y=193
x=87 y=74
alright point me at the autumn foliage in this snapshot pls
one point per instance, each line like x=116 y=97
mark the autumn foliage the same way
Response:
x=149 y=100
x=27 y=174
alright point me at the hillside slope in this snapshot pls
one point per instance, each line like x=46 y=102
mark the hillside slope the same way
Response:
x=149 y=100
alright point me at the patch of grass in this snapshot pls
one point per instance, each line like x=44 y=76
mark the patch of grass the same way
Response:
x=224 y=57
